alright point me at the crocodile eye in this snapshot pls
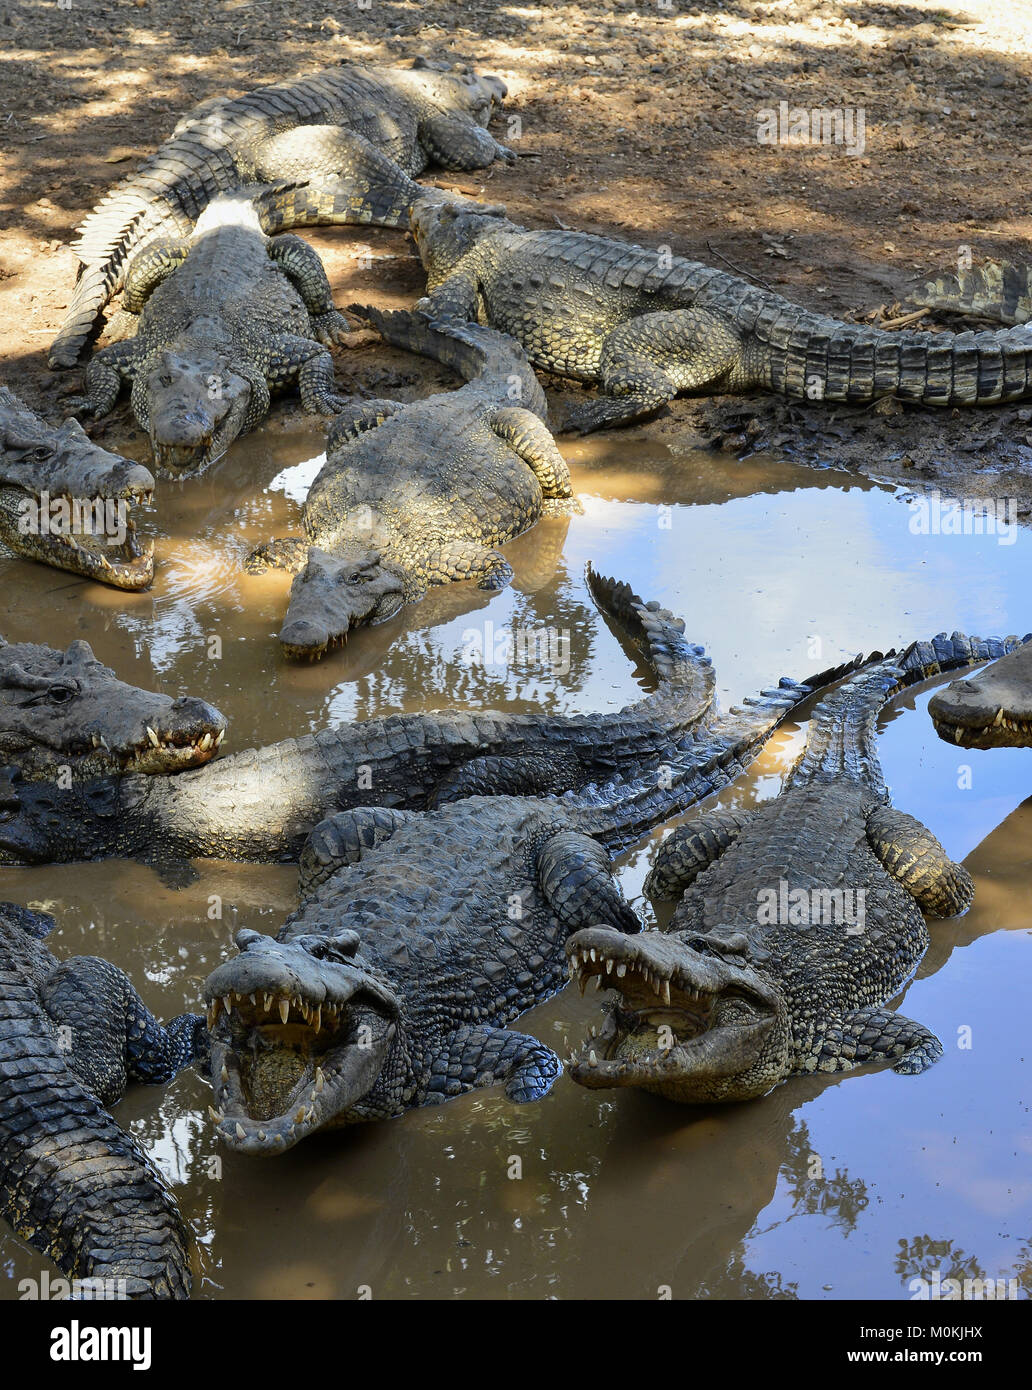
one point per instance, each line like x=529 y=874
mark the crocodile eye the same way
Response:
x=61 y=694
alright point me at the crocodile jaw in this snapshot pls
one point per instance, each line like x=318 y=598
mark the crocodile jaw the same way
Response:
x=127 y=565
x=332 y=595
x=990 y=710
x=685 y=1026
x=297 y=1042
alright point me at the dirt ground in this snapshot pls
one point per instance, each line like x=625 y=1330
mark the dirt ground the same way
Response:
x=637 y=120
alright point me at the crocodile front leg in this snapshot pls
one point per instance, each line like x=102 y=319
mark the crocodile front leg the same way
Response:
x=868 y=1035
x=577 y=880
x=343 y=839
x=107 y=370
x=915 y=858
x=358 y=417
x=109 y=1035
x=305 y=270
x=647 y=362
x=528 y=437
x=293 y=358
x=150 y=267
x=691 y=848
x=456 y=297
x=485 y=1056
x=455 y=141
x=469 y=560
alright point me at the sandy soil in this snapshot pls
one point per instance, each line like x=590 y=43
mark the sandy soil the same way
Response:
x=643 y=120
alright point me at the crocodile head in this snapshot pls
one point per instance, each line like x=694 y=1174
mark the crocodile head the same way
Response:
x=65 y=710
x=300 y=1032
x=445 y=226
x=333 y=594
x=990 y=710
x=193 y=404
x=66 y=502
x=456 y=87
x=687 y=1024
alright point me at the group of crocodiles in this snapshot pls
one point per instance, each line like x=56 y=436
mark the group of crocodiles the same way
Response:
x=455 y=866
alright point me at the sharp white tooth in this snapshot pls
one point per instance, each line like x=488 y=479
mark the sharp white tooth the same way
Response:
x=593 y=954
x=227 y=1002
x=261 y=1136
x=299 y=1117
x=267 y=1003
x=240 y=1133
x=224 y=1074
x=320 y=1080
x=666 y=991
x=103 y=742
x=957 y=735
x=317 y=1019
x=254 y=1000
x=205 y=743
x=609 y=967
x=284 y=1009
x=310 y=1114
x=155 y=741
x=219 y=737
x=999 y=717
x=592 y=1059
x=214 y=1114
x=571 y=968
x=621 y=970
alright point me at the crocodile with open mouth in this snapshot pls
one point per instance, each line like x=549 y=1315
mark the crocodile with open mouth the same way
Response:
x=799 y=922
x=420 y=493
x=226 y=316
x=66 y=714
x=72 y=1182
x=66 y=502
x=992 y=709
x=326 y=124
x=261 y=804
x=421 y=935
x=645 y=325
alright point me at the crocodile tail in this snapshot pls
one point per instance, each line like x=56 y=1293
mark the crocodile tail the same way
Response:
x=842 y=735
x=163 y=197
x=809 y=357
x=373 y=190
x=73 y=1184
x=474 y=352
x=998 y=290
x=721 y=748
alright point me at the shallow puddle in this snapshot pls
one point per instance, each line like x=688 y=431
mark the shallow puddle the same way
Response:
x=830 y=1188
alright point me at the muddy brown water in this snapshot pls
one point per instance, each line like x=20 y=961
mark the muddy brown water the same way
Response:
x=831 y=1188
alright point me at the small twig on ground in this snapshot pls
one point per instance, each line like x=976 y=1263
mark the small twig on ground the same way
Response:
x=903 y=319
x=737 y=269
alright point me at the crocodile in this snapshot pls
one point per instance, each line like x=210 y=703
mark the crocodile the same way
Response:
x=798 y=922
x=225 y=316
x=72 y=1182
x=260 y=805
x=422 y=934
x=64 y=714
x=646 y=326
x=325 y=124
x=422 y=493
x=992 y=709
x=997 y=290
x=66 y=502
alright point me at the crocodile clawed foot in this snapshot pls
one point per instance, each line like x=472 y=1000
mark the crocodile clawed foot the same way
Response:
x=331 y=328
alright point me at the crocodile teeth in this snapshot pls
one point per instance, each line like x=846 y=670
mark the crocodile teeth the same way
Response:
x=261 y=1136
x=240 y=1132
x=219 y=737
x=224 y=1074
x=592 y=1059
x=300 y=1116
x=205 y=742
x=155 y=741
x=284 y=1009
x=317 y=1018
x=621 y=971
x=609 y=967
x=666 y=991
x=593 y=954
x=227 y=1002
x=320 y=1081
x=957 y=736
x=254 y=1000
x=267 y=1003
x=216 y=1115
x=999 y=718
